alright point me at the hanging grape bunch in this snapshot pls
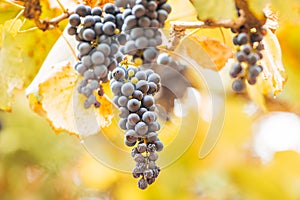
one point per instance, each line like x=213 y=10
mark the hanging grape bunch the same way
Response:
x=133 y=90
x=127 y=29
x=96 y=32
x=249 y=45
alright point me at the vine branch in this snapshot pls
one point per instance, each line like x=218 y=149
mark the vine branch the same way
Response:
x=246 y=20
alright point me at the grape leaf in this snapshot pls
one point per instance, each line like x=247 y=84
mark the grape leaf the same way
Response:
x=53 y=94
x=215 y=9
x=63 y=105
x=21 y=55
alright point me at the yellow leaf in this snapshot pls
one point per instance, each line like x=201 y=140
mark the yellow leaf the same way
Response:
x=273 y=72
x=21 y=55
x=63 y=105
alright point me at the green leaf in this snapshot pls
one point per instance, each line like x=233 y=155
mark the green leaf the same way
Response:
x=215 y=9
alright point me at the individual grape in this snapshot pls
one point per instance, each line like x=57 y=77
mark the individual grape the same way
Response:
x=100 y=71
x=159 y=145
x=141 y=42
x=122 y=123
x=154 y=23
x=252 y=80
x=81 y=10
x=127 y=89
x=142 y=85
x=142 y=184
x=86 y=91
x=154 y=126
x=129 y=126
x=153 y=156
x=163 y=59
x=254 y=71
x=122 y=101
x=144 y=22
x=72 y=30
x=74 y=20
x=114 y=49
x=97 y=19
x=152 y=88
x=141 y=128
x=167 y=7
x=130 y=22
x=88 y=34
x=162 y=15
x=126 y=13
x=129 y=144
x=131 y=136
x=151 y=136
x=149 y=33
x=151 y=148
x=241 y=56
x=152 y=42
x=116 y=87
x=124 y=112
x=97 y=58
x=141 y=75
x=109 y=28
x=150 y=54
x=235 y=70
x=109 y=8
x=141 y=111
x=141 y=148
x=238 y=85
x=148 y=173
x=246 y=49
x=133 y=105
x=87 y=61
x=88 y=21
x=256 y=37
x=138 y=10
x=152 y=15
x=93 y=85
x=152 y=6
x=97 y=11
x=80 y=68
x=136 y=33
x=118 y=74
x=242 y=38
x=89 y=74
x=119 y=21
x=130 y=47
x=139 y=158
x=133 y=118
x=149 y=117
x=122 y=39
x=152 y=164
x=150 y=180
x=253 y=58
x=84 y=48
x=121 y=3
x=104 y=48
x=154 y=78
x=98 y=28
x=109 y=18
x=137 y=94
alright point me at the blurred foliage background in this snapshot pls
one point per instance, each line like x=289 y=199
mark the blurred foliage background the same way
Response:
x=257 y=156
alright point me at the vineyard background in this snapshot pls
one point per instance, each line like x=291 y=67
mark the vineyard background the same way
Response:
x=256 y=157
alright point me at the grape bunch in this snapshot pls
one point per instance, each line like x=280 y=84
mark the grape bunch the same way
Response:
x=246 y=68
x=96 y=32
x=133 y=91
x=142 y=20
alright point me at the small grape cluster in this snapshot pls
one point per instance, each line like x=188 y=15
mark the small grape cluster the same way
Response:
x=96 y=32
x=249 y=46
x=142 y=20
x=133 y=91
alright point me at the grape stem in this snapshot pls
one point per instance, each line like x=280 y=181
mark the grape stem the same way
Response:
x=52 y=23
